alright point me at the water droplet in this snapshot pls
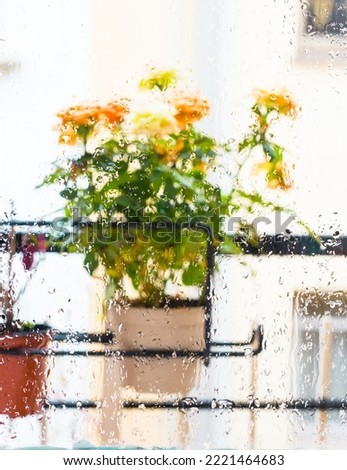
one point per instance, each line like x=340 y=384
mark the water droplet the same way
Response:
x=225 y=404
x=189 y=401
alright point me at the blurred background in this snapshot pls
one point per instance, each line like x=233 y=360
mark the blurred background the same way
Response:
x=54 y=54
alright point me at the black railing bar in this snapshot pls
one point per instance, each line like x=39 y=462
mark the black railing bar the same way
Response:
x=281 y=237
x=267 y=243
x=270 y=247
x=80 y=337
x=72 y=404
x=210 y=260
x=211 y=405
x=25 y=223
x=302 y=245
x=292 y=237
x=170 y=354
x=226 y=404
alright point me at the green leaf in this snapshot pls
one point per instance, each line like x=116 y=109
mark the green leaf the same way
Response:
x=161 y=79
x=72 y=248
x=194 y=275
x=169 y=189
x=119 y=181
x=56 y=176
x=69 y=193
x=249 y=141
x=156 y=179
x=274 y=151
x=123 y=201
x=84 y=131
x=91 y=261
x=228 y=246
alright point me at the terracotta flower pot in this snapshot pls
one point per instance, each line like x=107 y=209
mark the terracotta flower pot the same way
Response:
x=150 y=378
x=177 y=329
x=22 y=377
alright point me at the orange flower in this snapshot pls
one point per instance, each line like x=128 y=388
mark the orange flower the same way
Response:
x=277 y=176
x=88 y=117
x=80 y=116
x=280 y=102
x=68 y=135
x=190 y=109
x=169 y=150
x=113 y=113
x=75 y=118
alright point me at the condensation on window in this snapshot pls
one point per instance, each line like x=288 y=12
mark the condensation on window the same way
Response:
x=251 y=353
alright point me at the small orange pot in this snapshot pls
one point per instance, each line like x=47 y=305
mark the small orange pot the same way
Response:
x=22 y=377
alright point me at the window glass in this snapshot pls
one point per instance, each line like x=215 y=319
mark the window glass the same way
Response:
x=258 y=359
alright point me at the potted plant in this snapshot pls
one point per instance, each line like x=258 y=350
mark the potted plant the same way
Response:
x=22 y=374
x=151 y=169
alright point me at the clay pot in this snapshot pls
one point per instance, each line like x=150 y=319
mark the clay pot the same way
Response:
x=22 y=377
x=177 y=329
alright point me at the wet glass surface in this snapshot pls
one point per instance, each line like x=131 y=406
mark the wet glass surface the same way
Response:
x=284 y=383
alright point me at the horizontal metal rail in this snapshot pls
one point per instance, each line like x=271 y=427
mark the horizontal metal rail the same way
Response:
x=207 y=351
x=280 y=244
x=88 y=404
x=253 y=405
x=25 y=223
x=81 y=337
x=266 y=245
x=251 y=348
x=216 y=404
x=296 y=245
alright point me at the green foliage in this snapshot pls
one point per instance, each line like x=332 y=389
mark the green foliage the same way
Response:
x=159 y=79
x=155 y=169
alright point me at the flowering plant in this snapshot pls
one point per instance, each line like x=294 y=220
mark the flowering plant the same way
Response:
x=154 y=167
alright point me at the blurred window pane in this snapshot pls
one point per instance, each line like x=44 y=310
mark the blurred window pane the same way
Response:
x=322 y=346
x=329 y=16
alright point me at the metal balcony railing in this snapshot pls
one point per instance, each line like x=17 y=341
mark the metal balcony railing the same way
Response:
x=277 y=245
